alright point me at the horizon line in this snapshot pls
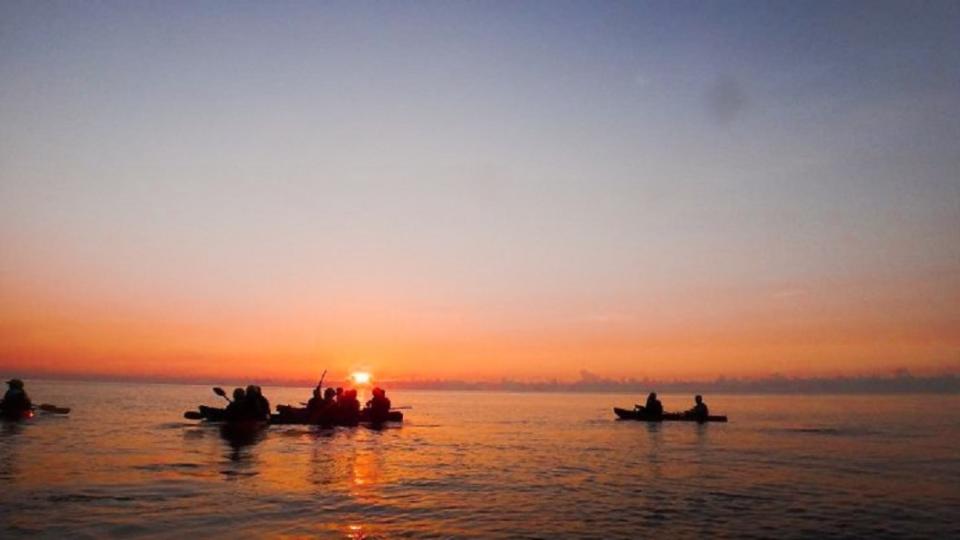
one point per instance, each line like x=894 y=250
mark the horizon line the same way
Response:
x=897 y=381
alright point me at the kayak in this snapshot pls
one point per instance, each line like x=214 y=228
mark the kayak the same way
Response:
x=630 y=414
x=215 y=414
x=288 y=415
x=16 y=416
x=27 y=414
x=297 y=415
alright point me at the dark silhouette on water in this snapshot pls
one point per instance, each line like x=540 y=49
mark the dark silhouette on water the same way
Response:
x=258 y=406
x=16 y=403
x=236 y=407
x=348 y=408
x=247 y=406
x=250 y=406
x=320 y=407
x=379 y=405
x=653 y=412
x=700 y=410
x=316 y=399
x=653 y=407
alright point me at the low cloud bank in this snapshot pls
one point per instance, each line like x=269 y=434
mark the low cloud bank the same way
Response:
x=902 y=383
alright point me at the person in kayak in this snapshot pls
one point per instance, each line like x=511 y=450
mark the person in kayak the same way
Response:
x=237 y=408
x=320 y=409
x=379 y=404
x=15 y=401
x=348 y=407
x=699 y=410
x=652 y=408
x=257 y=406
x=315 y=402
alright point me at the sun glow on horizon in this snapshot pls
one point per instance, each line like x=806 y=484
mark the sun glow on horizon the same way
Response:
x=360 y=377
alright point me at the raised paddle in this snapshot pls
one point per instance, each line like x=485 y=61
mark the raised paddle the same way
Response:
x=319 y=385
x=219 y=391
x=53 y=409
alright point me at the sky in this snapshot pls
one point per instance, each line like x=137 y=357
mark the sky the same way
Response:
x=478 y=190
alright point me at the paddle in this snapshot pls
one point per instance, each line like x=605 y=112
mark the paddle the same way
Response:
x=319 y=385
x=193 y=415
x=219 y=391
x=401 y=408
x=53 y=409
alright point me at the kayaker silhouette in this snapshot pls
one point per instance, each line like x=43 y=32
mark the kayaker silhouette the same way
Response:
x=699 y=410
x=379 y=405
x=15 y=401
x=236 y=408
x=653 y=408
x=257 y=406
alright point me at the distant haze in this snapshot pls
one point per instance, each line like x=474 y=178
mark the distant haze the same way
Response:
x=479 y=190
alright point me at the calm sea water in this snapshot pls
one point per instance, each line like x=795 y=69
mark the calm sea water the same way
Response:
x=124 y=463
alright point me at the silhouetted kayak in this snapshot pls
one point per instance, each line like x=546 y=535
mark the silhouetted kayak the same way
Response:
x=630 y=414
x=298 y=415
x=215 y=414
x=16 y=416
x=27 y=414
x=290 y=415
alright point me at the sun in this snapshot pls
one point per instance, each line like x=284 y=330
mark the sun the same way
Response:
x=360 y=377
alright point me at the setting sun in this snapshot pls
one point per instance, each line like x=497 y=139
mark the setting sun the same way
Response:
x=360 y=377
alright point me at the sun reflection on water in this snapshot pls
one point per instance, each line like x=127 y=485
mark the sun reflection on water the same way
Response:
x=355 y=532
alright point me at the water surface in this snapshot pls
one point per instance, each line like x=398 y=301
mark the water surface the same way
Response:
x=465 y=464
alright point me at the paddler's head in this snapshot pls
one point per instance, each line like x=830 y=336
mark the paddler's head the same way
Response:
x=15 y=383
x=238 y=394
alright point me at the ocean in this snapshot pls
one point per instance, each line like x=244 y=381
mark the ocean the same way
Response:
x=125 y=463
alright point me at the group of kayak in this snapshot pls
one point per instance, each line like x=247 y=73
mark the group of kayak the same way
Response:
x=652 y=411
x=330 y=407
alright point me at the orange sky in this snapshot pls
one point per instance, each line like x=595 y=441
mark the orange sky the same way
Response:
x=478 y=191
x=71 y=325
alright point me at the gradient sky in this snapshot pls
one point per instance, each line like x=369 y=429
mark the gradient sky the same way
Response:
x=479 y=189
